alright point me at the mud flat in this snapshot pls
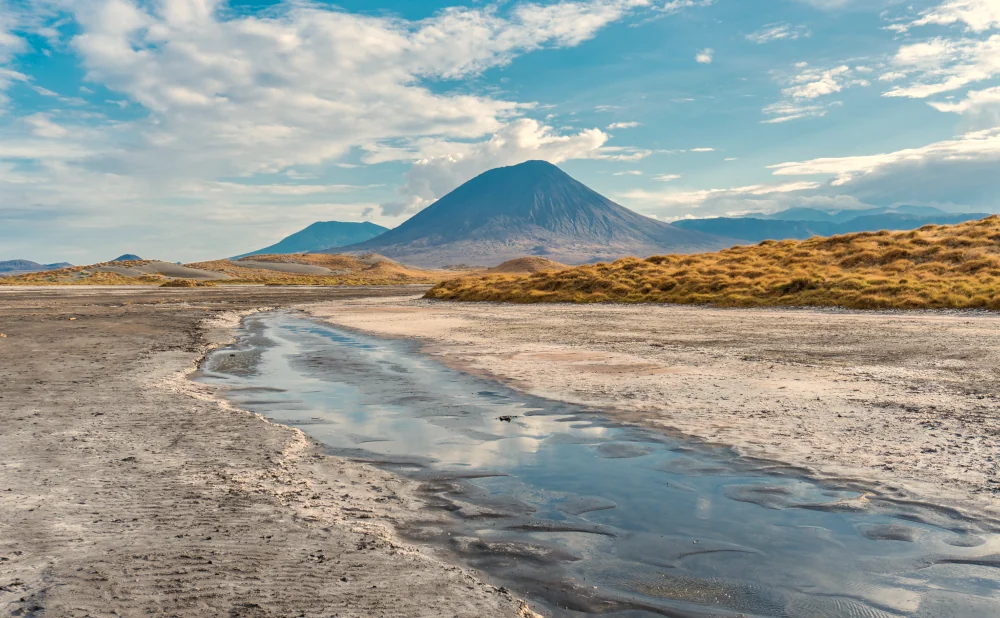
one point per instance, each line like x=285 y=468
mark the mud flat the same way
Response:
x=126 y=490
x=903 y=402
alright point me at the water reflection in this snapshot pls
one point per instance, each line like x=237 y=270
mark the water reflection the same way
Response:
x=590 y=517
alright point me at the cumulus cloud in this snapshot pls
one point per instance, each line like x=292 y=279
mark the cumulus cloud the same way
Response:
x=623 y=125
x=705 y=56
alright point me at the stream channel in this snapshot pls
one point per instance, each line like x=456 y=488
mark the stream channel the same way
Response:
x=584 y=516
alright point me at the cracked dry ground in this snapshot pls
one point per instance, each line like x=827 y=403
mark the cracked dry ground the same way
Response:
x=126 y=491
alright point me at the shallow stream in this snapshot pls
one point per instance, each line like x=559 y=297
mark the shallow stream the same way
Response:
x=583 y=516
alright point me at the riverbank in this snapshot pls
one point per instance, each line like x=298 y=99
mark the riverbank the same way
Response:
x=905 y=402
x=127 y=490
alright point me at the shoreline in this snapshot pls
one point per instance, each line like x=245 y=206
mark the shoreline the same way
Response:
x=547 y=359
x=127 y=486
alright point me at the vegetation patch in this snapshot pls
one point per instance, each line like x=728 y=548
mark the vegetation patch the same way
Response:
x=935 y=267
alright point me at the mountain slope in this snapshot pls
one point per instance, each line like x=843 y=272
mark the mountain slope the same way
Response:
x=758 y=229
x=529 y=209
x=322 y=235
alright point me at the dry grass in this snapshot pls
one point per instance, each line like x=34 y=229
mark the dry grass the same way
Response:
x=934 y=267
x=85 y=275
x=527 y=265
x=188 y=283
x=346 y=270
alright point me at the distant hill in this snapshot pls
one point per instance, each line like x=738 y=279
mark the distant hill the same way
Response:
x=128 y=257
x=820 y=223
x=17 y=267
x=527 y=265
x=322 y=235
x=531 y=209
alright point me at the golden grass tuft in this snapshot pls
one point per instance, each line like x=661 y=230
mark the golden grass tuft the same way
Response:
x=527 y=265
x=935 y=267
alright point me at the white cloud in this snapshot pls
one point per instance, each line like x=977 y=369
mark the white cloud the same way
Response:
x=705 y=56
x=628 y=173
x=667 y=177
x=11 y=44
x=847 y=169
x=942 y=65
x=249 y=94
x=693 y=198
x=752 y=198
x=976 y=15
x=946 y=63
x=42 y=126
x=678 y=5
x=800 y=97
x=226 y=95
x=960 y=170
x=623 y=125
x=702 y=150
x=778 y=32
x=975 y=102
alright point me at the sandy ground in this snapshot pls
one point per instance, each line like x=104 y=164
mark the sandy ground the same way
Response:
x=905 y=402
x=125 y=490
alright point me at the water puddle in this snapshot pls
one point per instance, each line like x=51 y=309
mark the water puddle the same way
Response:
x=583 y=516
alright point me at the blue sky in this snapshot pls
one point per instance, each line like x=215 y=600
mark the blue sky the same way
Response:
x=193 y=129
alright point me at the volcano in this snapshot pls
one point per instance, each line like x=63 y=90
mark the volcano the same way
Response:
x=531 y=209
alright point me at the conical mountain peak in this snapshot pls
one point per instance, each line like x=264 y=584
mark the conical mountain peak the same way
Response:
x=533 y=208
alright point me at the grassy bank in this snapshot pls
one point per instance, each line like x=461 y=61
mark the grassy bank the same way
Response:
x=934 y=267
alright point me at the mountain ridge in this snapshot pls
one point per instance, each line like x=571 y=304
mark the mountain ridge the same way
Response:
x=757 y=229
x=321 y=235
x=19 y=266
